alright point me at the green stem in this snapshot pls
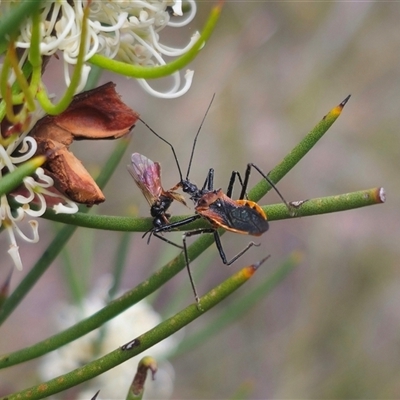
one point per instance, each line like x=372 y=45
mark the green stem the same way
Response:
x=13 y=179
x=72 y=280
x=139 y=344
x=18 y=97
x=322 y=205
x=325 y=205
x=120 y=263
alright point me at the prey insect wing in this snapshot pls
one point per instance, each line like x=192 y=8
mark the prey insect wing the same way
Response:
x=147 y=176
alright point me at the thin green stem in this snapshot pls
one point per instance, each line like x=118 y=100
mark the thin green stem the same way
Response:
x=17 y=96
x=5 y=71
x=20 y=78
x=13 y=179
x=35 y=57
x=322 y=205
x=73 y=282
x=139 y=344
x=326 y=205
x=120 y=261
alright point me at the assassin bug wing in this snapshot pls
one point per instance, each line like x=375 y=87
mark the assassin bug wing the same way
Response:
x=239 y=216
x=147 y=176
x=250 y=216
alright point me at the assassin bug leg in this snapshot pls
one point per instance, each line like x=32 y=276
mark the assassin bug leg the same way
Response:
x=246 y=181
x=152 y=232
x=235 y=174
x=218 y=243
x=244 y=184
x=221 y=252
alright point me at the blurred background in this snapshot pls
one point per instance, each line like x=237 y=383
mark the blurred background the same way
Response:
x=331 y=328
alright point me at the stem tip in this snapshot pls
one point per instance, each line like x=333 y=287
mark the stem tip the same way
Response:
x=382 y=195
x=257 y=264
x=343 y=103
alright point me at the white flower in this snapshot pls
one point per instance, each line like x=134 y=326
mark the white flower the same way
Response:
x=113 y=384
x=122 y=30
x=21 y=149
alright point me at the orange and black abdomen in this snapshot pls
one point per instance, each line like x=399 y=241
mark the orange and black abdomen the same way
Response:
x=240 y=216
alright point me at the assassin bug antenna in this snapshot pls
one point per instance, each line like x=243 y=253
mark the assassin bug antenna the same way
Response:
x=195 y=138
x=168 y=143
x=172 y=147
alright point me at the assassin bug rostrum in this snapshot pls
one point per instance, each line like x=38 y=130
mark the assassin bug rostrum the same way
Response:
x=219 y=209
x=147 y=176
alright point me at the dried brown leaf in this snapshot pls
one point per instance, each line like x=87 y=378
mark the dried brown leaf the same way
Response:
x=95 y=114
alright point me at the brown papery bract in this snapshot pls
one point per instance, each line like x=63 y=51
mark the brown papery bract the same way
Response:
x=93 y=115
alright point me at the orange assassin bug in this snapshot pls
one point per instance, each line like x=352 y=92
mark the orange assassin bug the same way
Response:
x=219 y=209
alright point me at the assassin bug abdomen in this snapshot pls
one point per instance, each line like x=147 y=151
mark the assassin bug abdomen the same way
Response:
x=239 y=216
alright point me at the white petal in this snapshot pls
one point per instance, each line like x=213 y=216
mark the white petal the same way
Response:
x=170 y=94
x=70 y=208
x=13 y=251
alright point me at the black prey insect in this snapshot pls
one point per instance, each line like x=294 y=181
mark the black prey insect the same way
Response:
x=147 y=176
